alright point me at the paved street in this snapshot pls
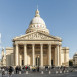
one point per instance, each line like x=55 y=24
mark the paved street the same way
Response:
x=72 y=74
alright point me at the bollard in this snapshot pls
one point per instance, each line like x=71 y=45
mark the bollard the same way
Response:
x=26 y=72
x=46 y=70
x=60 y=71
x=49 y=72
x=75 y=70
x=64 y=71
x=42 y=72
x=13 y=72
x=67 y=71
x=6 y=72
x=56 y=72
x=19 y=72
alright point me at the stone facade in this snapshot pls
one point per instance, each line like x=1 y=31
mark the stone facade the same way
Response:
x=37 y=47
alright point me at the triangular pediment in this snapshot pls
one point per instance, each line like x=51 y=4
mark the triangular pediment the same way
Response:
x=37 y=36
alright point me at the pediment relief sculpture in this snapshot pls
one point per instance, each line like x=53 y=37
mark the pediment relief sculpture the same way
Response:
x=35 y=36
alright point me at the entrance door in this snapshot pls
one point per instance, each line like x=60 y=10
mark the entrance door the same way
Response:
x=51 y=62
x=37 y=61
x=22 y=62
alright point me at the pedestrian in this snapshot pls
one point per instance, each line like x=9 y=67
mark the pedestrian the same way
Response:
x=16 y=69
x=10 y=71
x=3 y=72
x=38 y=68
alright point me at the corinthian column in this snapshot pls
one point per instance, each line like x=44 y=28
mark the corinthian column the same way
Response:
x=41 y=54
x=57 y=55
x=16 y=55
x=60 y=61
x=33 y=54
x=49 y=54
x=25 y=54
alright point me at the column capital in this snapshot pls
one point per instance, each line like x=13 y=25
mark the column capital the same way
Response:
x=57 y=44
x=16 y=44
x=25 y=44
x=41 y=43
x=33 y=44
x=49 y=44
x=60 y=45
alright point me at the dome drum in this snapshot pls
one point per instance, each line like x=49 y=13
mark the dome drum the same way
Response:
x=40 y=30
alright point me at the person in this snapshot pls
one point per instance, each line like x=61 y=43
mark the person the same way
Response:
x=26 y=67
x=29 y=67
x=16 y=69
x=19 y=69
x=38 y=68
x=10 y=71
x=3 y=72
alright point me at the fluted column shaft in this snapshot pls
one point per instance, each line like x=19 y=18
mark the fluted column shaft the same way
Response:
x=20 y=60
x=16 y=55
x=57 y=55
x=25 y=54
x=49 y=53
x=41 y=54
x=60 y=63
x=33 y=54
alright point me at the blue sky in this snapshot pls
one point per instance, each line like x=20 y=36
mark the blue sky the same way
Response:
x=60 y=17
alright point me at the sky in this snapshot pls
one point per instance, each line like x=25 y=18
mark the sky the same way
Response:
x=60 y=17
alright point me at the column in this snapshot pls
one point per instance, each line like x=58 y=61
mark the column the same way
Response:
x=41 y=55
x=49 y=54
x=16 y=55
x=20 y=60
x=33 y=54
x=25 y=54
x=57 y=55
x=60 y=61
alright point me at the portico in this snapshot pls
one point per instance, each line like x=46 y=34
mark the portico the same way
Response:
x=48 y=54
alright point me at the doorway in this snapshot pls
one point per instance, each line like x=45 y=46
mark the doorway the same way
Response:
x=22 y=62
x=51 y=62
x=37 y=61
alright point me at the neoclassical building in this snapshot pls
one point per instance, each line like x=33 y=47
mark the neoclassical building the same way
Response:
x=37 y=47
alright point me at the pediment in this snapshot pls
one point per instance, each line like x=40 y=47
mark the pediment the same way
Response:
x=36 y=36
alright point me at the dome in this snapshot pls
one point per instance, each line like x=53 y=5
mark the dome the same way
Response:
x=37 y=20
x=37 y=24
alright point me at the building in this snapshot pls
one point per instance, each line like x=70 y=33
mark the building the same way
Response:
x=75 y=59
x=37 y=47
